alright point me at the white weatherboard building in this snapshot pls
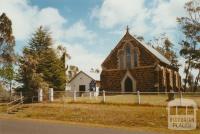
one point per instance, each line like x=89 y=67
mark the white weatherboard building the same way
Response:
x=81 y=82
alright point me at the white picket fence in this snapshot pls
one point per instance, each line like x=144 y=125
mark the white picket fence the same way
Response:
x=152 y=98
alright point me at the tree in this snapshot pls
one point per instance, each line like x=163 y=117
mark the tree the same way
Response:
x=28 y=75
x=53 y=70
x=163 y=45
x=94 y=70
x=62 y=52
x=40 y=67
x=7 y=55
x=190 y=26
x=7 y=40
x=63 y=55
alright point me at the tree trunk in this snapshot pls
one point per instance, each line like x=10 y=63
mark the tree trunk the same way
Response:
x=10 y=84
x=187 y=74
x=196 y=81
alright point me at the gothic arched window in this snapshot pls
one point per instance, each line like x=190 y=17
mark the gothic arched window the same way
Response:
x=121 y=61
x=135 y=57
x=128 y=57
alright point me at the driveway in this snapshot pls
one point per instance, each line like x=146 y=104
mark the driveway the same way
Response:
x=34 y=127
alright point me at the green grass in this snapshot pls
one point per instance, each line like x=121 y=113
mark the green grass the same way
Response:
x=2 y=108
x=157 y=100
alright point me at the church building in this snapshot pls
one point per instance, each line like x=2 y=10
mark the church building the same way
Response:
x=133 y=65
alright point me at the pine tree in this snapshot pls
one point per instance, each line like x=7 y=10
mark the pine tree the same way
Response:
x=53 y=70
x=40 y=67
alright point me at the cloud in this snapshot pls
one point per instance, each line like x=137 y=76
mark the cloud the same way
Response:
x=51 y=18
x=80 y=31
x=83 y=57
x=143 y=16
x=111 y=14
x=26 y=18
x=165 y=14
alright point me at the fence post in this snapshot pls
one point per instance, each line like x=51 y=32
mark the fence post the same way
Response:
x=74 y=98
x=181 y=96
x=104 y=96
x=138 y=94
x=40 y=95
x=90 y=95
x=51 y=94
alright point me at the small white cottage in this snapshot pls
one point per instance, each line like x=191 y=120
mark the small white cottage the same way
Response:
x=83 y=82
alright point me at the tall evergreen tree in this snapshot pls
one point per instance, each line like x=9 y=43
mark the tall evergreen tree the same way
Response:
x=39 y=65
x=53 y=69
x=31 y=80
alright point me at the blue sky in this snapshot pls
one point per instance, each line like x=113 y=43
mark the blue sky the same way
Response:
x=89 y=29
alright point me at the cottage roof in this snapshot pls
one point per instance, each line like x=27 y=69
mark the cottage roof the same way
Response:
x=93 y=76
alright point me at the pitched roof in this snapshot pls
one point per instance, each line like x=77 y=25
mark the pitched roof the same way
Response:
x=79 y=74
x=95 y=76
x=152 y=50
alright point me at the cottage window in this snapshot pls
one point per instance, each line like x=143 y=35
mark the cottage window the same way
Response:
x=135 y=57
x=128 y=57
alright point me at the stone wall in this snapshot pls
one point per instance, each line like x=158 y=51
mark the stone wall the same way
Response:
x=145 y=79
x=145 y=58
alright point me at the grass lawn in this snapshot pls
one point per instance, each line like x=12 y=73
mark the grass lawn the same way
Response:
x=147 y=118
x=156 y=99
x=2 y=108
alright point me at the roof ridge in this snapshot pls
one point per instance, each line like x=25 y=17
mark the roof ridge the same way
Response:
x=160 y=56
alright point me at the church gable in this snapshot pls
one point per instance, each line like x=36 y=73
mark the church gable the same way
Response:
x=132 y=65
x=128 y=53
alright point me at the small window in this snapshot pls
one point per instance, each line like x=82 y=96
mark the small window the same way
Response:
x=82 y=88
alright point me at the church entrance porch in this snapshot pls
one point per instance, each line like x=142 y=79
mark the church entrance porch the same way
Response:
x=128 y=85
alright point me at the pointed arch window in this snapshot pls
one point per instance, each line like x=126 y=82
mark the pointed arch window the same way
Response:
x=128 y=57
x=121 y=61
x=135 y=57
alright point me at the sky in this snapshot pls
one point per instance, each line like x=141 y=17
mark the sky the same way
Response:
x=90 y=29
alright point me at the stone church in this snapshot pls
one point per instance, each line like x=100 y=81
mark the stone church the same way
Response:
x=133 y=65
